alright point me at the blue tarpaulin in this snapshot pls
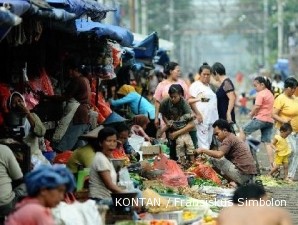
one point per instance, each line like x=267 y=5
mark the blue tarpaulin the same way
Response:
x=147 y=48
x=123 y=36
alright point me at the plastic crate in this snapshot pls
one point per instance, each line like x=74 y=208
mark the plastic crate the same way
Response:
x=175 y=215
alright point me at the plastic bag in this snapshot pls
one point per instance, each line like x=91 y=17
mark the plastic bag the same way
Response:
x=174 y=176
x=206 y=172
x=63 y=158
x=160 y=162
x=124 y=179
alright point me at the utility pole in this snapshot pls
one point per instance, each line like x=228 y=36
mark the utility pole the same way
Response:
x=132 y=15
x=144 y=28
x=265 y=34
x=137 y=16
x=171 y=20
x=280 y=29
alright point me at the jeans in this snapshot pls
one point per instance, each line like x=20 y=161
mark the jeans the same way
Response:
x=70 y=140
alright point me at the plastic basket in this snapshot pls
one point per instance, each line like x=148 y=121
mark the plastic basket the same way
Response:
x=175 y=215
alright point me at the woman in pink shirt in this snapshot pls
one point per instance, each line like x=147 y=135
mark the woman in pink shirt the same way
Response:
x=261 y=114
x=46 y=187
x=172 y=70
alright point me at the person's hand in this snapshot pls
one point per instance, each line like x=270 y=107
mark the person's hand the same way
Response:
x=199 y=118
x=199 y=151
x=170 y=123
x=229 y=118
x=156 y=123
x=21 y=106
x=173 y=136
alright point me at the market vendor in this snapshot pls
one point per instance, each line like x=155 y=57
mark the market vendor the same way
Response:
x=11 y=182
x=233 y=157
x=138 y=104
x=77 y=96
x=103 y=176
x=30 y=123
x=46 y=186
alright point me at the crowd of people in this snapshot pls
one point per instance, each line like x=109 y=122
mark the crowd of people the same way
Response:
x=196 y=119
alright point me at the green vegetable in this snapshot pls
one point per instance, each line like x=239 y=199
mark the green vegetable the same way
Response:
x=203 y=182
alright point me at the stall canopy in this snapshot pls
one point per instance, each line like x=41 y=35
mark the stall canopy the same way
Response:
x=147 y=48
x=163 y=44
x=123 y=36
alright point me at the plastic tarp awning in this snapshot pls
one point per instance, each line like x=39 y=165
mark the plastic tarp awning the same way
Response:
x=163 y=44
x=147 y=48
x=123 y=36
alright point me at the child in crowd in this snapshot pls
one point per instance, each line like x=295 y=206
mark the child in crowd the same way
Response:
x=243 y=110
x=184 y=144
x=123 y=146
x=46 y=186
x=139 y=126
x=282 y=150
x=261 y=114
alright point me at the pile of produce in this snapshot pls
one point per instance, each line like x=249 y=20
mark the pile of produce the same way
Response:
x=271 y=181
x=155 y=203
x=152 y=222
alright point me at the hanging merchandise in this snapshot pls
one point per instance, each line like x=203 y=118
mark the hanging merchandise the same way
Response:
x=103 y=109
x=105 y=67
x=116 y=53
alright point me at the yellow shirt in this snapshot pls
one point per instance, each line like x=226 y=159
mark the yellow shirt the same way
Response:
x=282 y=146
x=288 y=109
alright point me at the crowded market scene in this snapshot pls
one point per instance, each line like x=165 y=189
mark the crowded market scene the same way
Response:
x=140 y=112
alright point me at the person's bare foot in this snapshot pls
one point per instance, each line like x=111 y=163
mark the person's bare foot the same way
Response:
x=288 y=180
x=233 y=184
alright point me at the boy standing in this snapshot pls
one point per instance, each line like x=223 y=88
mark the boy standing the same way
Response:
x=282 y=150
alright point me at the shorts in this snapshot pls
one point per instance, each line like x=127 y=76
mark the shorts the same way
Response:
x=279 y=160
x=184 y=145
x=265 y=127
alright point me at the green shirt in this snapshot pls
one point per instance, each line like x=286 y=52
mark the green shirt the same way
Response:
x=175 y=111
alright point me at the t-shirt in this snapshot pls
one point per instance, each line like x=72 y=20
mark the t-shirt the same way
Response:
x=288 y=109
x=237 y=151
x=207 y=109
x=9 y=171
x=97 y=187
x=265 y=100
x=282 y=146
x=226 y=87
x=79 y=89
x=163 y=87
x=30 y=212
x=82 y=156
x=174 y=111
x=243 y=101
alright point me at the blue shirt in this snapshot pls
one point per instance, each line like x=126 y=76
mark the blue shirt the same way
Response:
x=132 y=99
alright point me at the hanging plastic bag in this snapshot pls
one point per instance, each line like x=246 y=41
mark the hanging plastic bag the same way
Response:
x=174 y=176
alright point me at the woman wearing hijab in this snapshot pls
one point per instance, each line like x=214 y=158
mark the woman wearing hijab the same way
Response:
x=31 y=124
x=46 y=187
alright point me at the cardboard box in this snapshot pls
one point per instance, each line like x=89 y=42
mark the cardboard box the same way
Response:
x=151 y=150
